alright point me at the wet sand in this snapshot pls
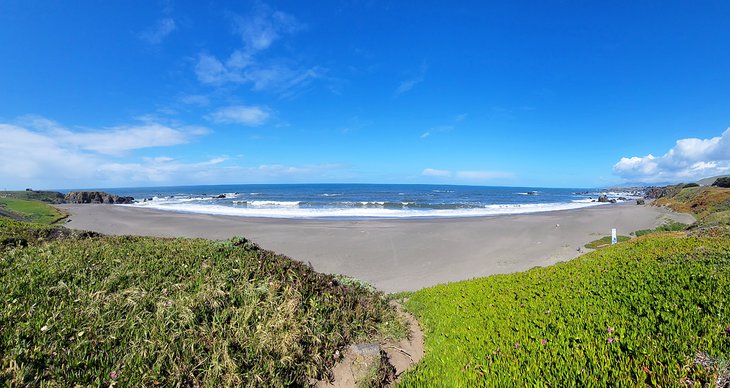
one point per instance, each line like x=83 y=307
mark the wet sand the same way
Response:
x=400 y=254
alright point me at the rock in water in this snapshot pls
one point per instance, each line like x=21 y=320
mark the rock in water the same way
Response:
x=96 y=197
x=603 y=198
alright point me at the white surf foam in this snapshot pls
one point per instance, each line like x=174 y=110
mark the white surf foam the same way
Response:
x=275 y=209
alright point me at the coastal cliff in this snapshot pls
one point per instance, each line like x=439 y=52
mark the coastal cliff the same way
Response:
x=96 y=197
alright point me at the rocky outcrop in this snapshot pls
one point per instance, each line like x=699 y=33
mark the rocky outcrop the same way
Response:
x=640 y=201
x=662 y=192
x=603 y=198
x=96 y=197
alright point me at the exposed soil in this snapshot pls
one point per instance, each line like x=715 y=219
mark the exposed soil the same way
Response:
x=359 y=360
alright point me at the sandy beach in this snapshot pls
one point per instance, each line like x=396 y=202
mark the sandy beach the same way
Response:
x=399 y=254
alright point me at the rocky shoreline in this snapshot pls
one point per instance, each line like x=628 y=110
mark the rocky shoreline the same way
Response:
x=96 y=197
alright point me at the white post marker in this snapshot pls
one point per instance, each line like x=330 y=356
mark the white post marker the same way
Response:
x=613 y=236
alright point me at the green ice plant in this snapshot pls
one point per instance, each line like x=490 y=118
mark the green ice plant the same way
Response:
x=644 y=312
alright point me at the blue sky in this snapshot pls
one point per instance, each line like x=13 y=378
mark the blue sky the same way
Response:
x=518 y=93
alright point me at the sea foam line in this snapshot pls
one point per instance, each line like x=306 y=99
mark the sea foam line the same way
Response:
x=359 y=212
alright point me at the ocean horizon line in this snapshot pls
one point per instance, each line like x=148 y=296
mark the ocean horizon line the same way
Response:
x=364 y=201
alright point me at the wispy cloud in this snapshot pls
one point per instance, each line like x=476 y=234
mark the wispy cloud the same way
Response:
x=409 y=83
x=240 y=114
x=159 y=32
x=436 y=173
x=482 y=175
x=689 y=159
x=195 y=99
x=263 y=26
x=444 y=128
x=467 y=175
x=249 y=64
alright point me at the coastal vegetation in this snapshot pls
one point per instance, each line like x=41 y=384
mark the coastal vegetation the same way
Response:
x=29 y=210
x=710 y=205
x=722 y=182
x=33 y=195
x=670 y=226
x=651 y=311
x=605 y=241
x=80 y=308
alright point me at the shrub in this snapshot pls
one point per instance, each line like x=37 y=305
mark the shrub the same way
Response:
x=722 y=182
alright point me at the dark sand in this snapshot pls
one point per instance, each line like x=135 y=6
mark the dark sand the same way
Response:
x=395 y=255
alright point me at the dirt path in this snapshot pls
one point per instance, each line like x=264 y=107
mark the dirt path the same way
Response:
x=381 y=364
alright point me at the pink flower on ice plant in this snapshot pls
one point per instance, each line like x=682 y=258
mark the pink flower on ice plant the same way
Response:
x=610 y=339
x=610 y=329
x=517 y=346
x=544 y=341
x=113 y=375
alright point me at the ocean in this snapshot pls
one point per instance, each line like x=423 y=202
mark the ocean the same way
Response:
x=363 y=201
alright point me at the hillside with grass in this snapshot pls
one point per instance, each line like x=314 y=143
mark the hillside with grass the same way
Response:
x=80 y=308
x=709 y=204
x=29 y=210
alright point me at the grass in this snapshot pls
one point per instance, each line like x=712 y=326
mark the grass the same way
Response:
x=670 y=226
x=42 y=196
x=30 y=211
x=86 y=309
x=94 y=310
x=634 y=314
x=605 y=241
x=710 y=205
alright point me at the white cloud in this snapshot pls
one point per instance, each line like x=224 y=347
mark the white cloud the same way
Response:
x=689 y=159
x=481 y=175
x=279 y=78
x=444 y=128
x=304 y=171
x=408 y=84
x=114 y=140
x=435 y=130
x=249 y=65
x=436 y=173
x=211 y=71
x=272 y=77
x=27 y=155
x=411 y=82
x=119 y=140
x=40 y=153
x=260 y=29
x=240 y=114
x=195 y=99
x=472 y=176
x=159 y=32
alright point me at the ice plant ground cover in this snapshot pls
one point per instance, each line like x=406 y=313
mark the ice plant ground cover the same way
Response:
x=79 y=308
x=644 y=312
